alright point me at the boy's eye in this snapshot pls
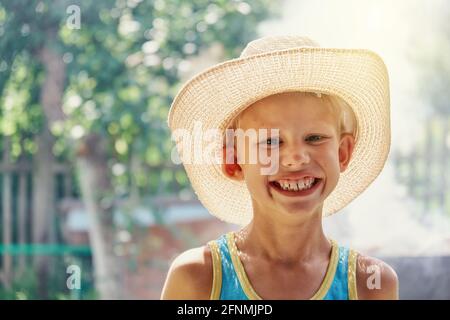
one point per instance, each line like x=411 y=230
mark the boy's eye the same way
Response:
x=271 y=141
x=314 y=138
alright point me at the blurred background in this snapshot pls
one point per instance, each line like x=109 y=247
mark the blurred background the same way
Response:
x=91 y=205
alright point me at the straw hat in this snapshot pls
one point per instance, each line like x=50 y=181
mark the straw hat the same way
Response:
x=272 y=65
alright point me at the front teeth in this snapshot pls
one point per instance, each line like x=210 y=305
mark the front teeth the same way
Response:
x=296 y=185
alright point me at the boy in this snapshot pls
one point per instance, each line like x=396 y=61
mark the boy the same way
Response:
x=327 y=111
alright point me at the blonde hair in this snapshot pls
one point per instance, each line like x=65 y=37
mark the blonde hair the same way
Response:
x=337 y=106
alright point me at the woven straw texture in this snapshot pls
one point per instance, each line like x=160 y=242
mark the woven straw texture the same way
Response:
x=277 y=64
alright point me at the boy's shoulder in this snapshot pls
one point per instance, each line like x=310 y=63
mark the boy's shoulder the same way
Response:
x=375 y=279
x=190 y=275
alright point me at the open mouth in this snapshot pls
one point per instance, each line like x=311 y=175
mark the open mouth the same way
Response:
x=296 y=188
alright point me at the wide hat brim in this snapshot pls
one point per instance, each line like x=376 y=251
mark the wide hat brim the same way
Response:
x=217 y=95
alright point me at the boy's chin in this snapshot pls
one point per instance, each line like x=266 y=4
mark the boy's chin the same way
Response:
x=297 y=210
x=302 y=209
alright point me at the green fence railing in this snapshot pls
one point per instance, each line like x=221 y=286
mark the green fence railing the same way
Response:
x=44 y=249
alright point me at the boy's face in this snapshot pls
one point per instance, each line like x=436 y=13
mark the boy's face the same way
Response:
x=309 y=145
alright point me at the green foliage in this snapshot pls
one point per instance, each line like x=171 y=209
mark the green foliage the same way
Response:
x=21 y=115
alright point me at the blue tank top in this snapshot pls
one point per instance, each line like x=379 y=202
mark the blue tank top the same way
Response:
x=230 y=281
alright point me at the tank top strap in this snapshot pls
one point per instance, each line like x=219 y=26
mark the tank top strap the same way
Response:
x=352 y=265
x=226 y=285
x=217 y=270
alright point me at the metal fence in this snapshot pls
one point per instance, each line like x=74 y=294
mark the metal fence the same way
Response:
x=18 y=221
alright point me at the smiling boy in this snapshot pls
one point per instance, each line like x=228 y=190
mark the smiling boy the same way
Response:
x=332 y=124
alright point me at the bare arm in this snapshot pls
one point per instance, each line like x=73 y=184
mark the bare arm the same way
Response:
x=376 y=280
x=189 y=276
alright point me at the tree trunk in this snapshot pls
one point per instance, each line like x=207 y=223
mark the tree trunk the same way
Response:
x=43 y=204
x=43 y=180
x=52 y=89
x=95 y=190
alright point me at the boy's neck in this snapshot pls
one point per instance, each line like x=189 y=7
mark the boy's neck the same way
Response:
x=284 y=243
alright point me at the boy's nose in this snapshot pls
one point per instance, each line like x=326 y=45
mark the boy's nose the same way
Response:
x=294 y=158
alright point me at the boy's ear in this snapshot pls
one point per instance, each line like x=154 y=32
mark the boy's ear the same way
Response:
x=230 y=167
x=346 y=146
